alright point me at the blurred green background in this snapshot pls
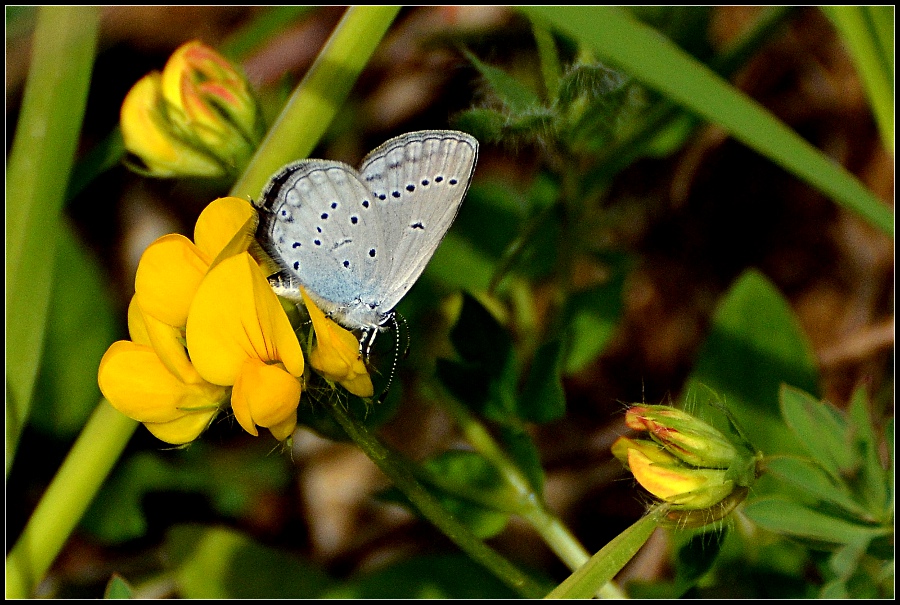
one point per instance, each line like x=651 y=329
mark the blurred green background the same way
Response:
x=616 y=256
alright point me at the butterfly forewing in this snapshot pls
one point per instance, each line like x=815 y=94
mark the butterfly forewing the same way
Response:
x=317 y=223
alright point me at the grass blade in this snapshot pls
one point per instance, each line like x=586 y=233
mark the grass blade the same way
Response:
x=37 y=176
x=660 y=64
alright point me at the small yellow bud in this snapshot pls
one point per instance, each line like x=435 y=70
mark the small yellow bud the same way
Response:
x=198 y=118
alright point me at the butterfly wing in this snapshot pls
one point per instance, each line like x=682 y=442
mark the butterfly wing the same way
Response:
x=317 y=221
x=417 y=182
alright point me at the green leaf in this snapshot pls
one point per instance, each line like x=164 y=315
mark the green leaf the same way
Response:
x=813 y=480
x=424 y=577
x=863 y=30
x=696 y=557
x=543 y=398
x=118 y=588
x=591 y=82
x=754 y=345
x=81 y=324
x=605 y=564
x=479 y=338
x=220 y=563
x=658 y=63
x=821 y=430
x=792 y=519
x=466 y=382
x=472 y=490
x=471 y=476
x=593 y=316
x=482 y=123
x=37 y=173
x=460 y=264
x=233 y=481
x=873 y=482
x=515 y=95
x=549 y=56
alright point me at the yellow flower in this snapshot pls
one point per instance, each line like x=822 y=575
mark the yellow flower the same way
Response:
x=238 y=334
x=169 y=397
x=336 y=353
x=197 y=118
x=151 y=378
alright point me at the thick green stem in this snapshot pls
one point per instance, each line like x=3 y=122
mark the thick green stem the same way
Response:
x=320 y=95
x=39 y=163
x=397 y=469
x=68 y=496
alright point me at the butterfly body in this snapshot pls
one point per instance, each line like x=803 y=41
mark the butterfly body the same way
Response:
x=357 y=241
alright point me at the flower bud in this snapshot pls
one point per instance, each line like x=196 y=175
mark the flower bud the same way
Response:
x=686 y=463
x=198 y=118
x=683 y=435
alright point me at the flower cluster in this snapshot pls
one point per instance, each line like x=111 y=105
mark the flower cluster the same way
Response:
x=197 y=118
x=686 y=463
x=205 y=323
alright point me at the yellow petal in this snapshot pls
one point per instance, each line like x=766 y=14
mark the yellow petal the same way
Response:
x=168 y=345
x=359 y=384
x=264 y=395
x=285 y=428
x=148 y=133
x=235 y=316
x=663 y=481
x=182 y=430
x=336 y=353
x=220 y=222
x=654 y=452
x=136 y=326
x=136 y=383
x=168 y=275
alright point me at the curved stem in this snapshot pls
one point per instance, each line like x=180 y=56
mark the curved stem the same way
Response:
x=532 y=508
x=397 y=469
x=73 y=488
x=38 y=169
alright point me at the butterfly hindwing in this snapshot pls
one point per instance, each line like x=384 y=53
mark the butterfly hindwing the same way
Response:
x=422 y=178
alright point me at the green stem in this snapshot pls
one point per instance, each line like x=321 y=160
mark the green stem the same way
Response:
x=39 y=163
x=317 y=99
x=76 y=483
x=397 y=469
x=601 y=568
x=531 y=507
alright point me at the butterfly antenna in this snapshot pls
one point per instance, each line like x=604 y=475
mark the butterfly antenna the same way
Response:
x=390 y=381
x=406 y=330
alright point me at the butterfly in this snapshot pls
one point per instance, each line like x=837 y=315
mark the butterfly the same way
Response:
x=357 y=241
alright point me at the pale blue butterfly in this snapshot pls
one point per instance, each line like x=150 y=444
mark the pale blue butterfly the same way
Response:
x=358 y=240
